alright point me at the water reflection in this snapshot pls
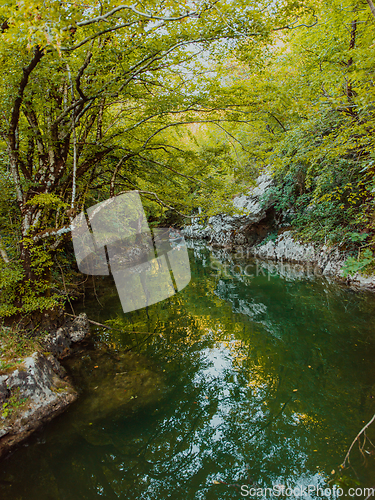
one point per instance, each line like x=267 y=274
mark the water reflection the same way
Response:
x=257 y=380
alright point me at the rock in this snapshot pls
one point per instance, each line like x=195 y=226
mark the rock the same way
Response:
x=38 y=389
x=79 y=329
x=247 y=231
x=4 y=391
x=251 y=203
x=35 y=395
x=319 y=258
x=228 y=230
x=285 y=248
x=59 y=342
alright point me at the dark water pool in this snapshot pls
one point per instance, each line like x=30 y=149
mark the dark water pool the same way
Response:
x=259 y=380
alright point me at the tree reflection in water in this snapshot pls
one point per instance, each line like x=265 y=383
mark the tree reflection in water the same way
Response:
x=244 y=380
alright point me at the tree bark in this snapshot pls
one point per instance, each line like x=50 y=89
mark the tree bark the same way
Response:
x=3 y=252
x=12 y=132
x=372 y=7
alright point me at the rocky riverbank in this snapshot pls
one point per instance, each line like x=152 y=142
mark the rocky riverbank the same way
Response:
x=263 y=232
x=36 y=388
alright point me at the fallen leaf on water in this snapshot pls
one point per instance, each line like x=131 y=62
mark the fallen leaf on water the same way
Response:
x=333 y=471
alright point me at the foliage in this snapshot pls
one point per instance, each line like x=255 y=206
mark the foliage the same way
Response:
x=36 y=294
x=271 y=237
x=353 y=266
x=12 y=404
x=310 y=97
x=98 y=99
x=15 y=344
x=186 y=103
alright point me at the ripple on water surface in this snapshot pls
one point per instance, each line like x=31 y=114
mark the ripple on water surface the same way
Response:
x=257 y=379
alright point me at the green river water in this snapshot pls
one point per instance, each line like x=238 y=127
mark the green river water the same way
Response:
x=259 y=380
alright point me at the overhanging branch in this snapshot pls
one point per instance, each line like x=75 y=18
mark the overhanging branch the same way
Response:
x=146 y=15
x=372 y=7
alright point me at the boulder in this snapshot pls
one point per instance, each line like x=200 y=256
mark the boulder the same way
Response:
x=37 y=389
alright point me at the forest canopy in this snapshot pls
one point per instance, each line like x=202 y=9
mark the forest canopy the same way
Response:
x=185 y=102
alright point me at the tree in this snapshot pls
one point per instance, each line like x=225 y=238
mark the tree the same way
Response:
x=313 y=122
x=89 y=97
x=372 y=7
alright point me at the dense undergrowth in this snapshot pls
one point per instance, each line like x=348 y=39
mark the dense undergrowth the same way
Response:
x=313 y=111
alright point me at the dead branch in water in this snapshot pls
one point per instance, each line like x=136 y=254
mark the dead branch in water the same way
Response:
x=357 y=438
x=106 y=326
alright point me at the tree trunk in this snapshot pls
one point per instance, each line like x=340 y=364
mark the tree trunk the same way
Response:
x=3 y=252
x=25 y=245
x=372 y=7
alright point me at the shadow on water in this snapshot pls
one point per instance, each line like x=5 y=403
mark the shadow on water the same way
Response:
x=237 y=380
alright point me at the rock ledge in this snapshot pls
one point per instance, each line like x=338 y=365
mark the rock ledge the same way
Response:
x=39 y=388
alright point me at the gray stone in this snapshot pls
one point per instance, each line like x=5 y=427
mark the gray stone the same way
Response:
x=60 y=341
x=228 y=230
x=80 y=326
x=39 y=385
x=248 y=228
x=327 y=260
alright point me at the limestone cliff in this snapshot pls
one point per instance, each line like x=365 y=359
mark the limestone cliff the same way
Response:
x=252 y=229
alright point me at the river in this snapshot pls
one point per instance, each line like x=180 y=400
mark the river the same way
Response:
x=248 y=378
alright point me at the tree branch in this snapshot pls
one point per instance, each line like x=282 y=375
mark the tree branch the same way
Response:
x=346 y=459
x=278 y=121
x=51 y=232
x=3 y=252
x=117 y=168
x=38 y=54
x=161 y=202
x=139 y=13
x=293 y=27
x=11 y=136
x=96 y=35
x=74 y=173
x=372 y=7
x=99 y=129
x=185 y=123
x=32 y=119
x=79 y=75
x=188 y=177
x=91 y=161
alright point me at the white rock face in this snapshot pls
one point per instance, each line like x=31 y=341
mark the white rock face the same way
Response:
x=285 y=248
x=235 y=231
x=225 y=229
x=328 y=261
x=251 y=202
x=196 y=230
